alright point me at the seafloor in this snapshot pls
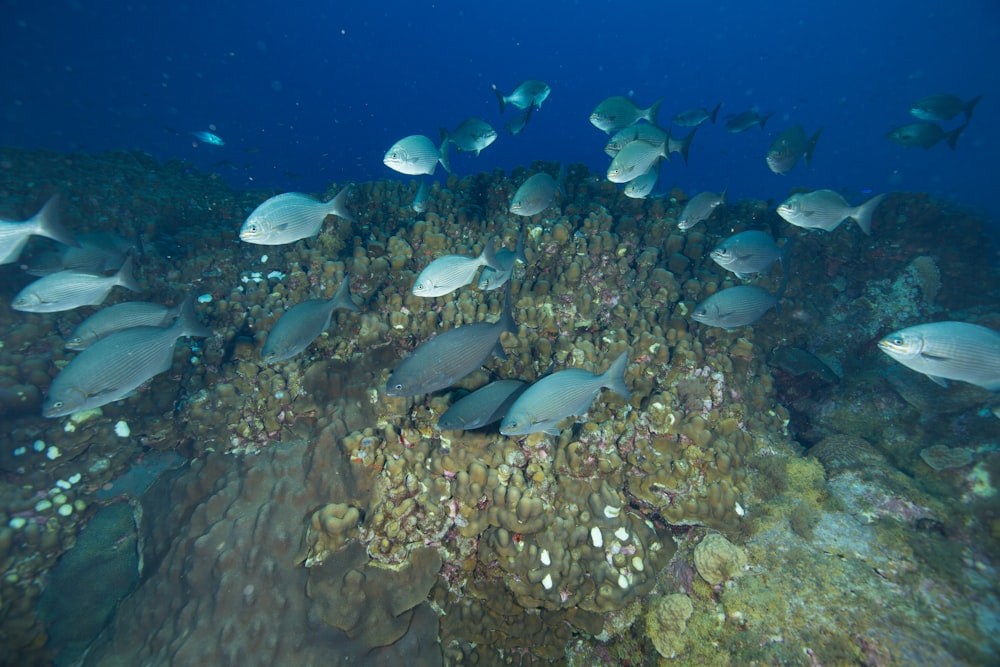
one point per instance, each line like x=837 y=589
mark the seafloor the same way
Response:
x=783 y=494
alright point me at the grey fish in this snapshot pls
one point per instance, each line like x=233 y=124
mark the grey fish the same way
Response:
x=617 y=113
x=943 y=106
x=650 y=134
x=482 y=407
x=114 y=367
x=420 y=198
x=66 y=290
x=303 y=323
x=563 y=394
x=527 y=94
x=535 y=195
x=700 y=207
x=788 y=147
x=14 y=235
x=417 y=154
x=95 y=252
x=208 y=138
x=634 y=160
x=826 y=209
x=735 y=306
x=518 y=122
x=448 y=273
x=490 y=278
x=948 y=351
x=121 y=316
x=682 y=145
x=752 y=251
x=798 y=362
x=924 y=135
x=290 y=217
x=472 y=135
x=695 y=117
x=451 y=355
x=743 y=121
x=639 y=188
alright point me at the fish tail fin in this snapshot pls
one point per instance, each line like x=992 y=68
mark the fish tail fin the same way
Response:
x=443 y=155
x=500 y=98
x=490 y=258
x=969 y=106
x=338 y=205
x=722 y=197
x=614 y=377
x=811 y=146
x=444 y=134
x=47 y=223
x=952 y=137
x=507 y=314
x=125 y=277
x=342 y=298
x=863 y=213
x=763 y=119
x=519 y=250
x=686 y=144
x=187 y=321
x=715 y=113
x=651 y=112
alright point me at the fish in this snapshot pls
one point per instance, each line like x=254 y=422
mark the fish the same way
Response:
x=788 y=147
x=744 y=120
x=114 y=367
x=634 y=160
x=95 y=252
x=451 y=355
x=736 y=306
x=700 y=207
x=560 y=395
x=66 y=290
x=943 y=107
x=651 y=134
x=472 y=135
x=948 y=351
x=826 y=209
x=208 y=138
x=448 y=273
x=423 y=193
x=290 y=217
x=518 y=122
x=682 y=145
x=301 y=324
x=695 y=117
x=639 y=188
x=798 y=362
x=121 y=316
x=535 y=195
x=752 y=251
x=527 y=94
x=924 y=135
x=490 y=278
x=417 y=154
x=482 y=407
x=14 y=235
x=617 y=113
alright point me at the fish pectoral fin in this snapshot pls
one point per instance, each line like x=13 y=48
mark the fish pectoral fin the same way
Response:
x=939 y=380
x=933 y=357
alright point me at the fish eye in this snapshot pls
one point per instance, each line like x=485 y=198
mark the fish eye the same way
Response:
x=57 y=405
x=896 y=340
x=398 y=387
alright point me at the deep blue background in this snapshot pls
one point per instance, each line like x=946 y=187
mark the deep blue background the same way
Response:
x=310 y=92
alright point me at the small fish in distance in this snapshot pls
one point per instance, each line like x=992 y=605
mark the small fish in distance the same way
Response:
x=208 y=138
x=423 y=193
x=472 y=135
x=744 y=120
x=617 y=112
x=943 y=106
x=290 y=217
x=416 y=154
x=695 y=117
x=924 y=135
x=14 y=235
x=948 y=351
x=527 y=94
x=788 y=147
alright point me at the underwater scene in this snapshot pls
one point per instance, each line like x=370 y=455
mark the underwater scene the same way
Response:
x=683 y=377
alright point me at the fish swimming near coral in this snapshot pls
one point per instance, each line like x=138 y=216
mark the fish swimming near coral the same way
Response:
x=634 y=160
x=416 y=154
x=120 y=316
x=924 y=135
x=948 y=351
x=641 y=187
x=114 y=367
x=700 y=207
x=563 y=394
x=745 y=253
x=736 y=306
x=943 y=106
x=419 y=204
x=66 y=290
x=448 y=273
x=490 y=278
x=472 y=135
x=651 y=134
x=788 y=147
x=826 y=209
x=14 y=235
x=482 y=407
x=290 y=217
x=303 y=323
x=618 y=112
x=535 y=195
x=527 y=94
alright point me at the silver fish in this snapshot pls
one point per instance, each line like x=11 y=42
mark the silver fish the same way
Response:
x=420 y=198
x=617 y=113
x=528 y=94
x=789 y=146
x=451 y=355
x=743 y=121
x=944 y=107
x=924 y=135
x=752 y=251
x=114 y=367
x=448 y=273
x=303 y=323
x=700 y=207
x=96 y=252
x=695 y=117
x=639 y=188
x=66 y=290
x=563 y=394
x=948 y=351
x=518 y=122
x=535 y=195
x=651 y=134
x=490 y=278
x=826 y=209
x=634 y=160
x=482 y=407
x=14 y=235
x=472 y=135
x=290 y=217
x=735 y=306
x=208 y=138
x=121 y=316
x=417 y=154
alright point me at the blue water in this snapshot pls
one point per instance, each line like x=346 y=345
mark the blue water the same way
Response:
x=308 y=93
